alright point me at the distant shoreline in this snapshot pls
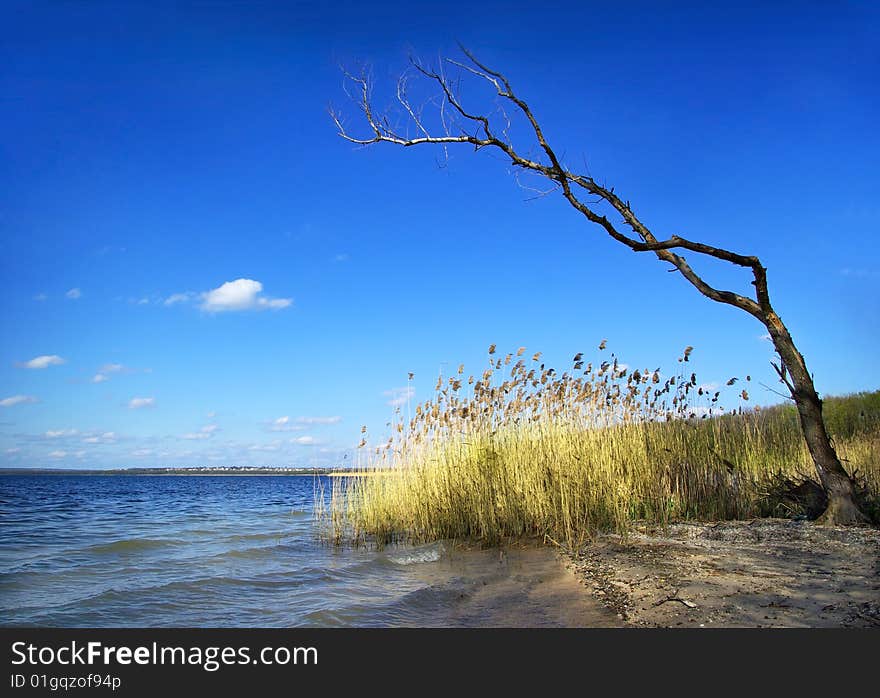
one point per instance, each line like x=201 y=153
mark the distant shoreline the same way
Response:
x=188 y=472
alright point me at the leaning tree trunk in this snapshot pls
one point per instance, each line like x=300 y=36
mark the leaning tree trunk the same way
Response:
x=842 y=507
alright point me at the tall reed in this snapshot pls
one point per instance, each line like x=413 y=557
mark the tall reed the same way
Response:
x=520 y=450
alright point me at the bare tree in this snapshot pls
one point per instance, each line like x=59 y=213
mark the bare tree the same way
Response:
x=449 y=121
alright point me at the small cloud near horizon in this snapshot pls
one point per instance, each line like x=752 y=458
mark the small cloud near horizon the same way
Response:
x=206 y=432
x=40 y=362
x=108 y=437
x=73 y=294
x=400 y=396
x=18 y=400
x=283 y=424
x=335 y=419
x=137 y=403
x=60 y=433
x=270 y=447
x=104 y=372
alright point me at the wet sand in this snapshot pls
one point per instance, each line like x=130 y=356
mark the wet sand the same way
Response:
x=518 y=586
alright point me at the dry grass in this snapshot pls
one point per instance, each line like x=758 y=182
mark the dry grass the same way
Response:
x=523 y=451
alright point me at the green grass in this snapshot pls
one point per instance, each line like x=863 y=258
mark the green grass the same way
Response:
x=523 y=451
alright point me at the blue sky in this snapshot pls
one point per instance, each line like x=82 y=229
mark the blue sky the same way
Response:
x=198 y=270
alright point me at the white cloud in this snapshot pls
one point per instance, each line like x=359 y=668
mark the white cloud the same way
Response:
x=13 y=451
x=57 y=454
x=241 y=294
x=44 y=361
x=274 y=446
x=341 y=258
x=400 y=396
x=17 y=400
x=283 y=424
x=60 y=433
x=319 y=420
x=859 y=273
x=175 y=298
x=137 y=403
x=142 y=452
x=102 y=374
x=108 y=437
x=206 y=432
x=765 y=337
x=73 y=294
x=304 y=440
x=238 y=295
x=274 y=303
x=40 y=297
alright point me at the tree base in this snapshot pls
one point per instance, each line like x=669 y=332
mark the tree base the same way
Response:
x=842 y=511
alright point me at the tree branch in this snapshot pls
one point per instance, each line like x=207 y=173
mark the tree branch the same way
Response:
x=641 y=239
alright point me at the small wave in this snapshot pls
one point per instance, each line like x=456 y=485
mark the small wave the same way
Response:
x=246 y=553
x=250 y=537
x=427 y=605
x=130 y=545
x=414 y=557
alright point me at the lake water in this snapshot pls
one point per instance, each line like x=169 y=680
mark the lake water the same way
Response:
x=192 y=551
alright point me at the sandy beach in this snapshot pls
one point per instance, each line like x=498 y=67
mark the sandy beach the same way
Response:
x=773 y=573
x=760 y=573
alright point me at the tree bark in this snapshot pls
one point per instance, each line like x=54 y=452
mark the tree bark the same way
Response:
x=842 y=510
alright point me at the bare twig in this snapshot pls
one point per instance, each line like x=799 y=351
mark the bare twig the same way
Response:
x=675 y=597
